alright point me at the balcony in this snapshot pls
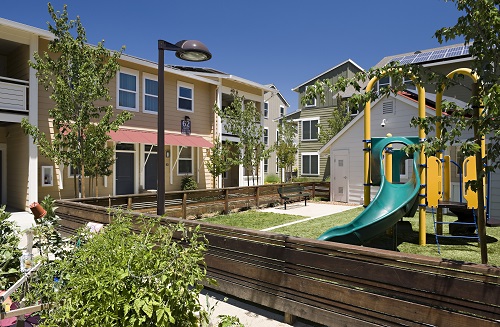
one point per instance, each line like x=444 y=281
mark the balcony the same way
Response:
x=13 y=94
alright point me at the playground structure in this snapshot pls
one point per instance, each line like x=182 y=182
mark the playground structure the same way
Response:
x=394 y=201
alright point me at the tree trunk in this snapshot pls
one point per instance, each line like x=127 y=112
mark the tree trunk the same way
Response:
x=481 y=217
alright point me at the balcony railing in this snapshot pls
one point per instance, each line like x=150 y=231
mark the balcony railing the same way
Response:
x=13 y=94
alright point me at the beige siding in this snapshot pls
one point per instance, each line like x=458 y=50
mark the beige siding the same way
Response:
x=17 y=167
x=274 y=112
x=18 y=63
x=201 y=122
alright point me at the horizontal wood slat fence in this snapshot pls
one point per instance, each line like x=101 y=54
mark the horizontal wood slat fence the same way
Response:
x=334 y=284
x=184 y=204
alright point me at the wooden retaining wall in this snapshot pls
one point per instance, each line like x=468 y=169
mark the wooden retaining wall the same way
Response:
x=335 y=284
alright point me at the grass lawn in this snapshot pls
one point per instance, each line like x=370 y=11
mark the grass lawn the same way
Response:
x=453 y=249
x=252 y=219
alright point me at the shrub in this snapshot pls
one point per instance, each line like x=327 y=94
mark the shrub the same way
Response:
x=119 y=277
x=188 y=183
x=272 y=179
x=9 y=252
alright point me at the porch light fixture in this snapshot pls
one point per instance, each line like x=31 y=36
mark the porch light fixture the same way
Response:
x=190 y=50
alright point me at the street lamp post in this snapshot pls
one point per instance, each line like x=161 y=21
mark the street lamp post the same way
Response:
x=189 y=50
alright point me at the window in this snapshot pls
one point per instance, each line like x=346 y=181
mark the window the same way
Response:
x=277 y=166
x=310 y=164
x=282 y=111
x=310 y=130
x=185 y=97
x=150 y=94
x=185 y=163
x=266 y=109
x=47 y=176
x=266 y=165
x=128 y=86
x=266 y=136
x=383 y=82
x=409 y=84
x=311 y=103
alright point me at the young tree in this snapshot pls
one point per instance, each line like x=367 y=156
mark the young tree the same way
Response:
x=285 y=146
x=219 y=160
x=242 y=118
x=77 y=75
x=337 y=120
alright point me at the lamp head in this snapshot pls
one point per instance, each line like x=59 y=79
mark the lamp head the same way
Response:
x=192 y=50
x=383 y=122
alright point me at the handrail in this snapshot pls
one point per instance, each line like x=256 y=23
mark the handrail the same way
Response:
x=20 y=81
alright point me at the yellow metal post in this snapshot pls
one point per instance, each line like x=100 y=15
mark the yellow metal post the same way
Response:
x=388 y=161
x=367 y=146
x=421 y=201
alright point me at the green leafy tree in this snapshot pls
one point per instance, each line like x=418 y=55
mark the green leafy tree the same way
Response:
x=124 y=277
x=77 y=75
x=9 y=252
x=285 y=147
x=339 y=118
x=478 y=25
x=219 y=160
x=242 y=118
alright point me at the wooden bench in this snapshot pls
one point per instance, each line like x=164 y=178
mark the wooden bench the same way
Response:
x=287 y=193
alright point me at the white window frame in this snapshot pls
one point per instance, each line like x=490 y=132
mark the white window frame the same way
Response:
x=179 y=148
x=282 y=111
x=302 y=155
x=266 y=165
x=384 y=84
x=47 y=171
x=132 y=72
x=186 y=86
x=309 y=105
x=151 y=78
x=266 y=136
x=266 y=110
x=302 y=128
x=409 y=82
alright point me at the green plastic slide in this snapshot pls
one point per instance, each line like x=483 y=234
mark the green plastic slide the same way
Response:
x=392 y=202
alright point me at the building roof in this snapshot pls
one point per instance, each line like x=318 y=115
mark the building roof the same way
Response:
x=445 y=53
x=296 y=89
x=405 y=96
x=212 y=73
x=279 y=95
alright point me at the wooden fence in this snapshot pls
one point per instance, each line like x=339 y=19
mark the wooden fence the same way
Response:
x=335 y=284
x=195 y=203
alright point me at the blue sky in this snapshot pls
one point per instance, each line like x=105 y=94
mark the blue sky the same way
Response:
x=281 y=42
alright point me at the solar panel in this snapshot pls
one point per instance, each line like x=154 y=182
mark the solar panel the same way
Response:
x=454 y=52
x=424 y=56
x=438 y=54
x=433 y=55
x=407 y=59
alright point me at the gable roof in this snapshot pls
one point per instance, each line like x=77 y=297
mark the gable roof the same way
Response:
x=279 y=94
x=405 y=96
x=295 y=89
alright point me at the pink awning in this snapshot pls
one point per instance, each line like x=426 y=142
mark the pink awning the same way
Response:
x=148 y=137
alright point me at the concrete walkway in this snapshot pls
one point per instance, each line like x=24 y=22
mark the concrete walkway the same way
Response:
x=313 y=210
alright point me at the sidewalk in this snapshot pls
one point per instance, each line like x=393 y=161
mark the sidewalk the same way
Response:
x=248 y=314
x=313 y=210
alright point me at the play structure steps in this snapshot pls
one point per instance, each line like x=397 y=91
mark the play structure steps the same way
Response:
x=457 y=229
